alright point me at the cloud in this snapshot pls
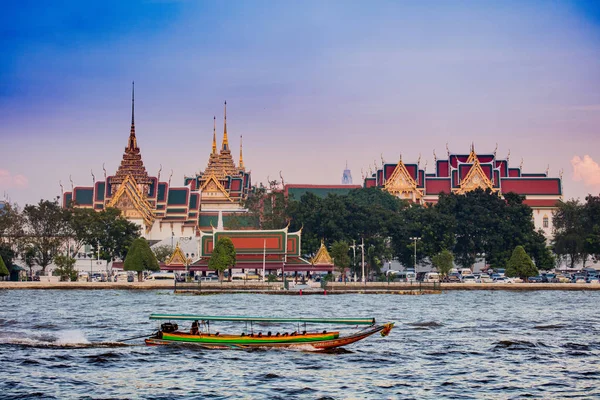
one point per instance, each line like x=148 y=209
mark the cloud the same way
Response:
x=7 y=180
x=586 y=169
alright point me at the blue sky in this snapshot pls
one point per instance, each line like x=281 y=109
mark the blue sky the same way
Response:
x=308 y=84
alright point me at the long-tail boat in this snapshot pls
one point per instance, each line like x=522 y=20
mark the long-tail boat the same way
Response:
x=200 y=332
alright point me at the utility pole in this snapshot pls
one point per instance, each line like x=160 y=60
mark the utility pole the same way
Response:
x=415 y=238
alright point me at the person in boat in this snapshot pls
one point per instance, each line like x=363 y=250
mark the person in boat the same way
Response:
x=194 y=330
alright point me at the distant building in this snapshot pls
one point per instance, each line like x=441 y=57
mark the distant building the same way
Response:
x=460 y=173
x=347 y=176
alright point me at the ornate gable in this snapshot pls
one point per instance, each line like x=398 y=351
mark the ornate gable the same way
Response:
x=322 y=256
x=475 y=179
x=402 y=184
x=131 y=201
x=213 y=190
x=178 y=257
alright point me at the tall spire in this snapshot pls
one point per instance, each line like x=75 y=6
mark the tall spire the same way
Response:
x=214 y=144
x=132 y=143
x=225 y=146
x=241 y=156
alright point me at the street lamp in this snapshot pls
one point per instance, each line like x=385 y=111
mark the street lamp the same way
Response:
x=482 y=255
x=415 y=238
x=362 y=249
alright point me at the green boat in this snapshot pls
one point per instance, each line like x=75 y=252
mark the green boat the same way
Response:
x=200 y=332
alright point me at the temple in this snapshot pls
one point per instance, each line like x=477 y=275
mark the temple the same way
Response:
x=160 y=209
x=278 y=250
x=460 y=173
x=223 y=185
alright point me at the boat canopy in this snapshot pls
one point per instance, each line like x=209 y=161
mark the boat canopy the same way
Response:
x=349 y=321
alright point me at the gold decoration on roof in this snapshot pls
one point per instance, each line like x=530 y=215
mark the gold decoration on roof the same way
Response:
x=213 y=188
x=475 y=179
x=178 y=257
x=132 y=202
x=322 y=256
x=402 y=184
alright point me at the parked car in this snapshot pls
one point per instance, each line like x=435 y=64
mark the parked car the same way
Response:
x=549 y=278
x=535 y=279
x=485 y=278
x=453 y=278
x=593 y=279
x=579 y=278
x=563 y=278
x=502 y=279
x=469 y=279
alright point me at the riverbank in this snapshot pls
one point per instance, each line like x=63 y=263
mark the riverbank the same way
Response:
x=277 y=288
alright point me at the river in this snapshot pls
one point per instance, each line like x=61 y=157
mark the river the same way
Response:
x=60 y=344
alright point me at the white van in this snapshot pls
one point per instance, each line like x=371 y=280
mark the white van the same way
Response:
x=406 y=276
x=431 y=277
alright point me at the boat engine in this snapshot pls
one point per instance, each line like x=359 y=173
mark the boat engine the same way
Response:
x=168 y=327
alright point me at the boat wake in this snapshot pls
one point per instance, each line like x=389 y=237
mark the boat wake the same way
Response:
x=61 y=339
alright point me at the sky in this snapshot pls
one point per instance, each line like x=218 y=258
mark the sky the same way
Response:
x=311 y=86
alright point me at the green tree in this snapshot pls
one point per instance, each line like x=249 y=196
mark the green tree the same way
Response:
x=443 y=262
x=591 y=210
x=162 y=252
x=520 y=265
x=569 y=231
x=3 y=269
x=222 y=257
x=106 y=232
x=29 y=256
x=47 y=229
x=140 y=258
x=341 y=259
x=65 y=267
x=7 y=254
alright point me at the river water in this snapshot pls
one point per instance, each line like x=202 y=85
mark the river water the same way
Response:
x=472 y=344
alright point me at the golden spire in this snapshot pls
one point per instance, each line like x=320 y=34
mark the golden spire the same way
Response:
x=132 y=143
x=241 y=156
x=225 y=146
x=214 y=146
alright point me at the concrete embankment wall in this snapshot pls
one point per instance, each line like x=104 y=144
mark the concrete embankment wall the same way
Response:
x=277 y=288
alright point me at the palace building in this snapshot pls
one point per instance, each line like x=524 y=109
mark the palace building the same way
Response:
x=160 y=209
x=460 y=173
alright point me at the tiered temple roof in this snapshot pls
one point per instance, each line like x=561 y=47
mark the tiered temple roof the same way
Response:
x=460 y=173
x=138 y=195
x=224 y=185
x=132 y=164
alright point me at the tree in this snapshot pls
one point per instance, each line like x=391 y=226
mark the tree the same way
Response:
x=162 y=252
x=591 y=210
x=47 y=229
x=222 y=257
x=443 y=261
x=3 y=269
x=7 y=254
x=520 y=265
x=341 y=259
x=65 y=267
x=569 y=231
x=140 y=258
x=29 y=257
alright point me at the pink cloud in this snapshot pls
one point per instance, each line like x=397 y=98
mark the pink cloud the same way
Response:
x=7 y=180
x=586 y=169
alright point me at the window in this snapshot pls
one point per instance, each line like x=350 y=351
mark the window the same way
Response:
x=545 y=221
